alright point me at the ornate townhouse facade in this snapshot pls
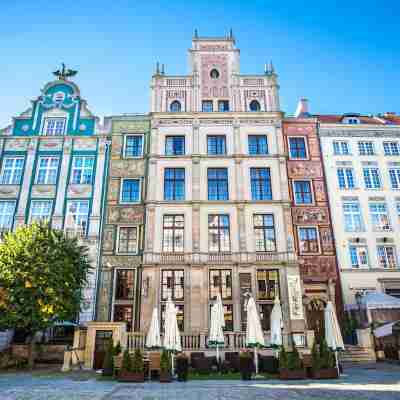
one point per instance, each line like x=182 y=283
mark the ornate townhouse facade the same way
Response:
x=53 y=158
x=361 y=155
x=120 y=292
x=217 y=206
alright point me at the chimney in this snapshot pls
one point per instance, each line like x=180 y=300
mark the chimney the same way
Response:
x=302 y=108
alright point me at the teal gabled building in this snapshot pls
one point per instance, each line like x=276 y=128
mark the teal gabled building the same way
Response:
x=53 y=159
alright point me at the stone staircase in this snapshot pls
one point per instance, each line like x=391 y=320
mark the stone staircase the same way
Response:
x=357 y=355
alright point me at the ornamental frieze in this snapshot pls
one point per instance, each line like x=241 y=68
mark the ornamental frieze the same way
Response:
x=43 y=191
x=321 y=267
x=76 y=191
x=169 y=122
x=85 y=144
x=127 y=168
x=300 y=130
x=16 y=144
x=51 y=144
x=310 y=215
x=304 y=169
x=9 y=191
x=319 y=190
x=127 y=215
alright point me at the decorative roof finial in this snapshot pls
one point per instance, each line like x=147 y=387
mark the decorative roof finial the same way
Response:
x=266 y=69
x=196 y=34
x=64 y=73
x=231 y=34
x=157 y=68
x=162 y=69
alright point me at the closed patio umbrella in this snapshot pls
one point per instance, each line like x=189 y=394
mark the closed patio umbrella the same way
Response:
x=254 y=332
x=333 y=334
x=276 y=324
x=216 y=336
x=153 y=339
x=172 y=337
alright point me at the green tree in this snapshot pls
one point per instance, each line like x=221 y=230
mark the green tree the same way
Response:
x=42 y=273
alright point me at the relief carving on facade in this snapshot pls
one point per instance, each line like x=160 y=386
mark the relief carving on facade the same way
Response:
x=313 y=146
x=326 y=239
x=43 y=191
x=128 y=215
x=318 y=267
x=300 y=130
x=319 y=190
x=51 y=144
x=9 y=191
x=75 y=191
x=302 y=169
x=310 y=215
x=295 y=297
x=127 y=168
x=108 y=239
x=85 y=144
x=16 y=144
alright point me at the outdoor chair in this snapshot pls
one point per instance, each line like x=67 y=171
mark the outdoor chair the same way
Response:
x=269 y=364
x=231 y=361
x=204 y=365
x=194 y=356
x=154 y=363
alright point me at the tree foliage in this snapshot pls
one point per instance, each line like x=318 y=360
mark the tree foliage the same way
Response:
x=42 y=273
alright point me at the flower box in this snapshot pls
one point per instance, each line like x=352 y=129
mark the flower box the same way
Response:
x=287 y=374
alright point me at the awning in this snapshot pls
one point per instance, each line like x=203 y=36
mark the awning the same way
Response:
x=374 y=301
x=385 y=330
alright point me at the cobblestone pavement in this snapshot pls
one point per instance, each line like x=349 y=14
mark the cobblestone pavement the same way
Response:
x=375 y=382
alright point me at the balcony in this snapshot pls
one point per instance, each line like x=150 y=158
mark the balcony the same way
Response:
x=218 y=258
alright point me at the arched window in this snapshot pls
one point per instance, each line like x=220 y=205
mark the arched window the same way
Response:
x=255 y=105
x=175 y=106
x=214 y=74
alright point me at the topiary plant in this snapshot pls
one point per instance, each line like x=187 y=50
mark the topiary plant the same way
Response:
x=294 y=361
x=117 y=349
x=283 y=358
x=137 y=365
x=126 y=361
x=165 y=362
x=326 y=355
x=108 y=363
x=316 y=358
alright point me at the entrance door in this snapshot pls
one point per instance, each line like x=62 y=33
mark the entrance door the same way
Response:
x=100 y=347
x=315 y=318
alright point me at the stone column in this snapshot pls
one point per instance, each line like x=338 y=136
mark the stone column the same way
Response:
x=241 y=223
x=152 y=181
x=150 y=221
x=236 y=137
x=196 y=228
x=196 y=137
x=239 y=179
x=196 y=179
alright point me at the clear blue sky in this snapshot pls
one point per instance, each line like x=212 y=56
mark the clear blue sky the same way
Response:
x=343 y=55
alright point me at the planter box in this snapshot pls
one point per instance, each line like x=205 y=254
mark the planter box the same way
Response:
x=326 y=373
x=125 y=376
x=165 y=377
x=287 y=374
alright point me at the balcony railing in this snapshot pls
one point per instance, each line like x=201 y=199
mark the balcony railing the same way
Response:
x=218 y=258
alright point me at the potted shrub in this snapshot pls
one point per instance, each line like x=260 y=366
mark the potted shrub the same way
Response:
x=126 y=367
x=246 y=366
x=138 y=366
x=324 y=362
x=108 y=362
x=182 y=367
x=165 y=367
x=290 y=365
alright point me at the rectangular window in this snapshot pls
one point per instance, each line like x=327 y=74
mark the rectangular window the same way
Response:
x=40 y=210
x=47 y=170
x=387 y=256
x=174 y=184
x=258 y=144
x=7 y=209
x=267 y=284
x=302 y=192
x=218 y=233
x=346 y=178
x=260 y=184
x=379 y=217
x=340 y=148
x=366 y=148
x=172 y=285
x=128 y=240
x=297 y=148
x=371 y=178
x=173 y=233
x=175 y=145
x=359 y=256
x=207 y=106
x=221 y=283
x=133 y=146
x=124 y=284
x=264 y=232
x=308 y=240
x=124 y=313
x=391 y=148
x=217 y=179
x=216 y=145
x=11 y=171
x=180 y=316
x=394 y=175
x=223 y=105
x=77 y=215
x=82 y=169
x=352 y=217
x=130 y=191
x=54 y=126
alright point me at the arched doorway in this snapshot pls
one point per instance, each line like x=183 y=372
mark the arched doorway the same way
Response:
x=315 y=318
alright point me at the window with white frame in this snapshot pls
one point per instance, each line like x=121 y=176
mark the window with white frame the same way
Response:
x=77 y=215
x=345 y=178
x=351 y=121
x=40 y=210
x=391 y=148
x=372 y=179
x=379 y=217
x=130 y=191
x=7 y=210
x=366 y=148
x=47 y=170
x=352 y=217
x=387 y=256
x=340 y=148
x=298 y=148
x=54 y=126
x=359 y=256
x=173 y=233
x=127 y=240
x=394 y=175
x=82 y=169
x=133 y=146
x=308 y=240
x=264 y=232
x=11 y=170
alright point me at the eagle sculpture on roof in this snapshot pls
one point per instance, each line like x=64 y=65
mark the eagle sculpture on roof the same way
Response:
x=64 y=73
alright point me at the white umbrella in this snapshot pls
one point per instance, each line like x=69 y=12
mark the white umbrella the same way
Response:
x=153 y=339
x=333 y=336
x=216 y=337
x=276 y=324
x=172 y=337
x=254 y=332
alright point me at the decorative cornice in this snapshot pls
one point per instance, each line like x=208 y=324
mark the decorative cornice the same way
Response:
x=342 y=132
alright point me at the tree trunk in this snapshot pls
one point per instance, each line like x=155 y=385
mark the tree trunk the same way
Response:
x=31 y=352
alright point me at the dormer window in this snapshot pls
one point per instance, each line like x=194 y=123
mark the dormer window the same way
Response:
x=175 y=106
x=54 y=126
x=214 y=74
x=351 y=120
